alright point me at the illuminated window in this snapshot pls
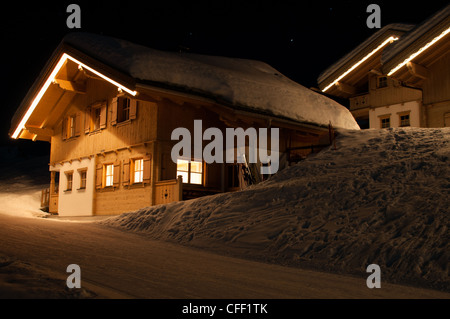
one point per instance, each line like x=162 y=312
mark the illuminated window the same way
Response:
x=385 y=122
x=69 y=177
x=138 y=171
x=192 y=172
x=404 y=120
x=109 y=175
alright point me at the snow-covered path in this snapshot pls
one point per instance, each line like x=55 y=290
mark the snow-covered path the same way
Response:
x=35 y=252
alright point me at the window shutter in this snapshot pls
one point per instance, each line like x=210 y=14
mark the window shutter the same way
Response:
x=133 y=108
x=116 y=177
x=103 y=116
x=126 y=173
x=114 y=111
x=78 y=124
x=147 y=167
x=98 y=176
x=64 y=128
x=87 y=120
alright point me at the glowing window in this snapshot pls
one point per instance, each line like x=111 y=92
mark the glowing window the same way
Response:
x=138 y=172
x=192 y=172
x=109 y=175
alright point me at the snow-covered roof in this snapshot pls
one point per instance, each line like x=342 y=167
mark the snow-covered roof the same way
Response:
x=243 y=83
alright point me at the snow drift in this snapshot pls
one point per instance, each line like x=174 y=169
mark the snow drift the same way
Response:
x=240 y=83
x=382 y=197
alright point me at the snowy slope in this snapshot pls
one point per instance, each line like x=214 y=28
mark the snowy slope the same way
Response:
x=381 y=197
x=238 y=82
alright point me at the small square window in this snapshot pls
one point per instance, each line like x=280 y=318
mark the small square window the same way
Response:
x=404 y=120
x=386 y=122
x=382 y=82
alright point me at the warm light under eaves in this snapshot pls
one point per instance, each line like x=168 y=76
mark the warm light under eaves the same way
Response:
x=388 y=40
x=50 y=80
x=422 y=49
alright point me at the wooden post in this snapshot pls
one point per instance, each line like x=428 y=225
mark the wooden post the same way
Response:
x=180 y=187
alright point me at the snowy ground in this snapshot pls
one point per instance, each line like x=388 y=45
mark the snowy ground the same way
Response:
x=381 y=197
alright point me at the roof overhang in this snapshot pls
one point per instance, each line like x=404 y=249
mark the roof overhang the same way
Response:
x=62 y=55
x=409 y=59
x=351 y=71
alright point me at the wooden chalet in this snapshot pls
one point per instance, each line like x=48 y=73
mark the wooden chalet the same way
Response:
x=398 y=77
x=109 y=124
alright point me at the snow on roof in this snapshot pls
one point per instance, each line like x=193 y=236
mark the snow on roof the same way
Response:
x=243 y=83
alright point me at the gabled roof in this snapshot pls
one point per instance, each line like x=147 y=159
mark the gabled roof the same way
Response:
x=371 y=43
x=245 y=84
x=387 y=57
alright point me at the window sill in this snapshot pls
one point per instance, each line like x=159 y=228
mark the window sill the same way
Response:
x=70 y=139
x=137 y=185
x=67 y=191
x=107 y=189
x=94 y=132
x=123 y=123
x=81 y=189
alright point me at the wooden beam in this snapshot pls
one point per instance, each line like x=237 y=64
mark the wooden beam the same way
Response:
x=71 y=86
x=417 y=70
x=346 y=88
x=40 y=131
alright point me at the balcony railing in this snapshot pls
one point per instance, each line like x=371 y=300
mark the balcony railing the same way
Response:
x=359 y=102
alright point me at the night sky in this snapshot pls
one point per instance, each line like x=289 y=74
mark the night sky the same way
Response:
x=298 y=38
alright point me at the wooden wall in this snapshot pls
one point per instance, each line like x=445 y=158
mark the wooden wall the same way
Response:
x=437 y=86
x=140 y=130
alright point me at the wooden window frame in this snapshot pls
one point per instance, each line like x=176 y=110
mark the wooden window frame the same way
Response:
x=133 y=171
x=385 y=117
x=382 y=82
x=69 y=181
x=129 y=172
x=189 y=172
x=71 y=126
x=96 y=112
x=401 y=114
x=117 y=110
x=105 y=175
x=82 y=171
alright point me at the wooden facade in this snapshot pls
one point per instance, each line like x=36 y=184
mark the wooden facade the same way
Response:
x=111 y=150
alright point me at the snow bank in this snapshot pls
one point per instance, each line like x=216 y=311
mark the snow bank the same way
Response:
x=382 y=197
x=21 y=182
x=240 y=82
